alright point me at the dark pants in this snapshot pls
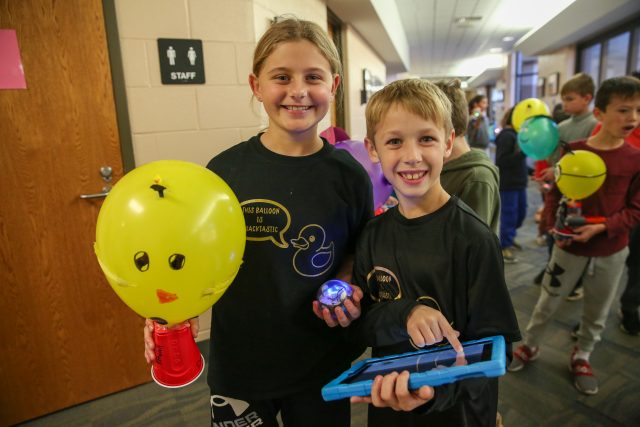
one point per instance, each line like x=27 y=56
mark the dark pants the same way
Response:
x=301 y=409
x=513 y=210
x=630 y=299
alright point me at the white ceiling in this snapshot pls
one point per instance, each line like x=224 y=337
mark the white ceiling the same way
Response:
x=439 y=46
x=421 y=37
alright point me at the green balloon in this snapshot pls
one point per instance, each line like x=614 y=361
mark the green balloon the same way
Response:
x=538 y=137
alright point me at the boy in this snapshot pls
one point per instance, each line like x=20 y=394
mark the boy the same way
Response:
x=577 y=94
x=427 y=266
x=600 y=247
x=467 y=173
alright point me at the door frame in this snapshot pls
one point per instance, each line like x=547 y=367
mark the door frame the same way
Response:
x=119 y=86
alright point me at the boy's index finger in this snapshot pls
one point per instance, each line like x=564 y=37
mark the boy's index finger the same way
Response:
x=452 y=336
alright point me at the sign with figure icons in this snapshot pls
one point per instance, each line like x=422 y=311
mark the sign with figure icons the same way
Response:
x=181 y=61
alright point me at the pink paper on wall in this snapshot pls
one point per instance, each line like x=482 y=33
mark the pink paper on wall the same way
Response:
x=11 y=72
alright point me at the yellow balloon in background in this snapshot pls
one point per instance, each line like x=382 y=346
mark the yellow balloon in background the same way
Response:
x=170 y=238
x=528 y=108
x=580 y=173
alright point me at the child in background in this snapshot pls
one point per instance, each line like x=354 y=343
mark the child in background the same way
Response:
x=630 y=298
x=514 y=178
x=467 y=173
x=269 y=351
x=478 y=127
x=603 y=247
x=431 y=268
x=577 y=94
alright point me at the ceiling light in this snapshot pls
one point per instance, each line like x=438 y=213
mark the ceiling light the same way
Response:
x=467 y=20
x=495 y=50
x=508 y=38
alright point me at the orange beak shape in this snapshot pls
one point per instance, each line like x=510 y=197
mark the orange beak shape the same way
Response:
x=165 y=297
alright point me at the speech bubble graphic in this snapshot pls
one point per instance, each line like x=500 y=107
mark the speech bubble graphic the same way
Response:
x=266 y=220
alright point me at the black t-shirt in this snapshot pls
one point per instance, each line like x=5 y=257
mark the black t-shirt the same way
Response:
x=451 y=261
x=303 y=215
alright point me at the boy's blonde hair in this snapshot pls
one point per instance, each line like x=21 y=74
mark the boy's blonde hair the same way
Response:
x=291 y=29
x=416 y=96
x=459 y=111
x=581 y=83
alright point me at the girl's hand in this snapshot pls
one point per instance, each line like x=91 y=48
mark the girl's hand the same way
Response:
x=150 y=345
x=341 y=318
x=427 y=326
x=392 y=391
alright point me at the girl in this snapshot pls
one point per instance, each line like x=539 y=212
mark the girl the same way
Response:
x=305 y=204
x=478 y=128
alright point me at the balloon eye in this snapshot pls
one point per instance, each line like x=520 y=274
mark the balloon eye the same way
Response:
x=176 y=261
x=141 y=259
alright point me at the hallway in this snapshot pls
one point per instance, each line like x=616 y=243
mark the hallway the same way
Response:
x=541 y=395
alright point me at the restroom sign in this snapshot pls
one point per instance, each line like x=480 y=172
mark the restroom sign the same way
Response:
x=181 y=61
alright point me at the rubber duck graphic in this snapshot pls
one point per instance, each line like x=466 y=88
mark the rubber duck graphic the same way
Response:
x=312 y=257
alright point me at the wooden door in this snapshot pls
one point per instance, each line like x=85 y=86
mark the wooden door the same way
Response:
x=65 y=336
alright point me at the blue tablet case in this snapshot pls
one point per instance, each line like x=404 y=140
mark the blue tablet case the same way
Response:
x=494 y=367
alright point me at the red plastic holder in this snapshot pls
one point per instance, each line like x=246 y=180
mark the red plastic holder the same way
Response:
x=178 y=360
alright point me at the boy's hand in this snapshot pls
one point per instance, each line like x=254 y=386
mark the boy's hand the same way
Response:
x=546 y=175
x=585 y=232
x=150 y=345
x=392 y=391
x=341 y=318
x=427 y=326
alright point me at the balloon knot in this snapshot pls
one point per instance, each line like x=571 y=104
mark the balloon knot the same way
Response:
x=159 y=188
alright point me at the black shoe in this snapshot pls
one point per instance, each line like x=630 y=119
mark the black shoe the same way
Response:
x=538 y=279
x=630 y=322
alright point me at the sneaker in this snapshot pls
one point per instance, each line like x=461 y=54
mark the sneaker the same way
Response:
x=508 y=256
x=538 y=279
x=522 y=357
x=517 y=246
x=574 y=331
x=629 y=321
x=541 y=240
x=576 y=294
x=583 y=377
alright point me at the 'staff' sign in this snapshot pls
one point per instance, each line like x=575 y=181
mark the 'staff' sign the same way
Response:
x=181 y=61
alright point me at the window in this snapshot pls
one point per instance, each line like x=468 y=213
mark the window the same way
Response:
x=613 y=54
x=635 y=51
x=526 y=77
x=614 y=58
x=590 y=60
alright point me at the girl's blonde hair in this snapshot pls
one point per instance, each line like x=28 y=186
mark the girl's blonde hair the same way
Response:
x=420 y=97
x=291 y=29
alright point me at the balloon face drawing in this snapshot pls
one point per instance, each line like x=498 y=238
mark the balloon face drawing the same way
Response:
x=580 y=173
x=170 y=238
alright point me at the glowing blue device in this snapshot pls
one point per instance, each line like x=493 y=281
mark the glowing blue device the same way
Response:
x=333 y=293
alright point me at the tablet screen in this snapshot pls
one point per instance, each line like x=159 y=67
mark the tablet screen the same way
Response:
x=423 y=361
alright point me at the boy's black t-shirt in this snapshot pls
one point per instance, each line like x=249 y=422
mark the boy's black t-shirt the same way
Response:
x=303 y=215
x=448 y=260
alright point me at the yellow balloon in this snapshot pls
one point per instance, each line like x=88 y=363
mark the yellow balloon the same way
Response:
x=579 y=174
x=170 y=238
x=528 y=108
